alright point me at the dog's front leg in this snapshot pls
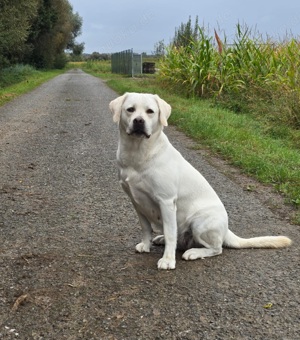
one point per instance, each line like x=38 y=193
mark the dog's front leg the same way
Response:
x=168 y=212
x=144 y=246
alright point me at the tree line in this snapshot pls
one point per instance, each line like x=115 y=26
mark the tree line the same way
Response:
x=37 y=32
x=185 y=34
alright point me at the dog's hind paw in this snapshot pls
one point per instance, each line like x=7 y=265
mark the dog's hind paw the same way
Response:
x=142 y=248
x=159 y=240
x=166 y=264
x=200 y=253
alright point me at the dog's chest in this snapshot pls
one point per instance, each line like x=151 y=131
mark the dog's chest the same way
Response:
x=139 y=189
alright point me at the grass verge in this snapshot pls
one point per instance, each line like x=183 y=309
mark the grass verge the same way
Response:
x=240 y=138
x=22 y=83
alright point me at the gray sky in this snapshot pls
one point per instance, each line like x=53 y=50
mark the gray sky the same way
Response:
x=116 y=25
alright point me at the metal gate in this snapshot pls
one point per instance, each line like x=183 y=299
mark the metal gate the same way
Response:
x=126 y=62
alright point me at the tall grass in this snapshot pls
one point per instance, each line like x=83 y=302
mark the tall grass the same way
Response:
x=249 y=75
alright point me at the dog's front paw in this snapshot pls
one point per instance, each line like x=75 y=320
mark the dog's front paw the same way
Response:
x=166 y=264
x=142 y=248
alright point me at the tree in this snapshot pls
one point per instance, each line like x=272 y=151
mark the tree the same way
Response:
x=95 y=56
x=77 y=50
x=54 y=29
x=37 y=32
x=76 y=31
x=15 y=21
x=159 y=48
x=99 y=56
x=186 y=33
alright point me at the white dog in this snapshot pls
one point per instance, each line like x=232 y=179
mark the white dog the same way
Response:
x=167 y=192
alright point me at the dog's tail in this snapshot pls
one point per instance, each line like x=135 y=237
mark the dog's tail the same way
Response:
x=233 y=241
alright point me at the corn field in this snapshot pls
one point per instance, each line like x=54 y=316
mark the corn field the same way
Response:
x=249 y=75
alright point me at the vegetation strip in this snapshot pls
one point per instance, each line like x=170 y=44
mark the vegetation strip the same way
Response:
x=23 y=83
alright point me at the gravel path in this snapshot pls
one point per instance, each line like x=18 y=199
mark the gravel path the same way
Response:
x=68 y=269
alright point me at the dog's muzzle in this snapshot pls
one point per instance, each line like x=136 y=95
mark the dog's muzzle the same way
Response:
x=138 y=128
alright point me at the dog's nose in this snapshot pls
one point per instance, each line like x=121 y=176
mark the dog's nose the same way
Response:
x=139 y=121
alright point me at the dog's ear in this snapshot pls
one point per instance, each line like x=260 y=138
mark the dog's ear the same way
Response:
x=164 y=110
x=115 y=107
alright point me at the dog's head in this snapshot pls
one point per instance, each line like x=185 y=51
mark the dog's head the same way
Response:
x=140 y=114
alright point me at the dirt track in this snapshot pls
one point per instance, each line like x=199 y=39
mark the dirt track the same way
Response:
x=68 y=269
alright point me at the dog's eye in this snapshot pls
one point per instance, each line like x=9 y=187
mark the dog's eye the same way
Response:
x=149 y=111
x=131 y=109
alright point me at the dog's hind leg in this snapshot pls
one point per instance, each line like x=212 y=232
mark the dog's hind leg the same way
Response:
x=185 y=240
x=210 y=238
x=201 y=253
x=159 y=240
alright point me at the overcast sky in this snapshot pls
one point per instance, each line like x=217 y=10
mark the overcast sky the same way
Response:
x=116 y=25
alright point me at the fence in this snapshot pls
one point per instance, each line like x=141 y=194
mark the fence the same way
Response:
x=126 y=62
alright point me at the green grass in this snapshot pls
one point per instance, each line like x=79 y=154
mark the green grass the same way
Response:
x=252 y=145
x=20 y=79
